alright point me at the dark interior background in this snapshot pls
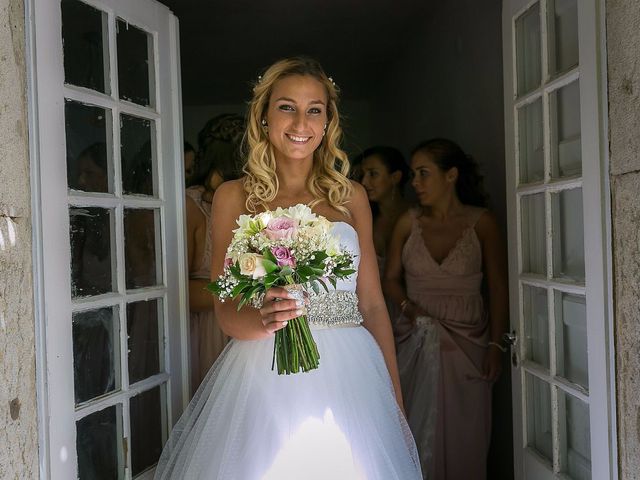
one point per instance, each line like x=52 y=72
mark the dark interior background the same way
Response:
x=408 y=71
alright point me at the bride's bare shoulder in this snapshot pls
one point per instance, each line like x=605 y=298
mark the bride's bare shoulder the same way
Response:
x=358 y=202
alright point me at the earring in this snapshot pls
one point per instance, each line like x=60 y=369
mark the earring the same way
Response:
x=264 y=125
x=325 y=130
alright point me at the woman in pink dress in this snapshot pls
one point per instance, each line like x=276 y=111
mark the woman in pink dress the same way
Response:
x=217 y=161
x=442 y=257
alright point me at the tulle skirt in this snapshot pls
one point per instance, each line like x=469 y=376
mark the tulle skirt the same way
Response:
x=340 y=421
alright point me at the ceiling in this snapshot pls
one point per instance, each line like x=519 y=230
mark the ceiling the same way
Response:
x=226 y=43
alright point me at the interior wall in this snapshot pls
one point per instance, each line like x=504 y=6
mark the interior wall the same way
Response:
x=448 y=82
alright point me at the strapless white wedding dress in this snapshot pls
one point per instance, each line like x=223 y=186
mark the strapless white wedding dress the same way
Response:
x=338 y=422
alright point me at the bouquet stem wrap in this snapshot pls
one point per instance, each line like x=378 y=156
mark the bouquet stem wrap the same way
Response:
x=294 y=349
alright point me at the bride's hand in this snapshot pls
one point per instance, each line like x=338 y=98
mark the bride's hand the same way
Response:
x=278 y=308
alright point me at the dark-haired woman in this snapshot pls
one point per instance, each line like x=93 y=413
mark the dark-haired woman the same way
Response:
x=438 y=258
x=217 y=161
x=384 y=174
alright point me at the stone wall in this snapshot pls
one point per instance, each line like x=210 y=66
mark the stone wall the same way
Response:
x=18 y=414
x=623 y=51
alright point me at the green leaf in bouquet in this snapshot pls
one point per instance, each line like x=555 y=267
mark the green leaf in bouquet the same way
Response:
x=268 y=254
x=237 y=290
x=320 y=255
x=324 y=285
x=304 y=271
x=315 y=287
x=212 y=287
x=333 y=282
x=269 y=266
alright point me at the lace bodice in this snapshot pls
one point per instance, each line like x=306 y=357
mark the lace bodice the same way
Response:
x=459 y=272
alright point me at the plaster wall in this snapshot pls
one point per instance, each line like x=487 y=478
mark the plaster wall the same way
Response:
x=18 y=414
x=623 y=57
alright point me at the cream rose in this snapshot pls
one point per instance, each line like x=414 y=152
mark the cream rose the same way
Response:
x=251 y=264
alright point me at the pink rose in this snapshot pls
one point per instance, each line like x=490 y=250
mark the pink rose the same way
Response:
x=283 y=256
x=281 y=228
x=228 y=262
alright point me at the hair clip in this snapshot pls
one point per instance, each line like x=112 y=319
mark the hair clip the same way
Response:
x=259 y=78
x=331 y=80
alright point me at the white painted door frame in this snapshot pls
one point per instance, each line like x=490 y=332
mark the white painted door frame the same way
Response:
x=50 y=201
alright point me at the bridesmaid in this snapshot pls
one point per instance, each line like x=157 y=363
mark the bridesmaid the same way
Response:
x=384 y=174
x=217 y=161
x=438 y=258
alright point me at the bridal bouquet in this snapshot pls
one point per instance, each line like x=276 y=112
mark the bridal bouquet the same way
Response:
x=292 y=248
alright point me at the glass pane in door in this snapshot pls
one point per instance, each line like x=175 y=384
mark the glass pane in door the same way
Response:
x=147 y=423
x=88 y=141
x=142 y=248
x=575 y=437
x=538 y=401
x=92 y=251
x=85 y=43
x=568 y=235
x=96 y=353
x=536 y=324
x=135 y=62
x=563 y=35
x=136 y=147
x=530 y=143
x=144 y=333
x=571 y=338
x=528 y=51
x=566 y=155
x=99 y=444
x=533 y=224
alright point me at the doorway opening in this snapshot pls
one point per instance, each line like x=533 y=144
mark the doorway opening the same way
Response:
x=407 y=71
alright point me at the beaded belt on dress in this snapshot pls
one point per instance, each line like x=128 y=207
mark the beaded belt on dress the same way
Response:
x=336 y=308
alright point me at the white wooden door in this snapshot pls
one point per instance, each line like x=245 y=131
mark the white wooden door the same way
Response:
x=564 y=421
x=108 y=204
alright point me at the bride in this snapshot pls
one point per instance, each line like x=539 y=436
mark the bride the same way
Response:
x=343 y=420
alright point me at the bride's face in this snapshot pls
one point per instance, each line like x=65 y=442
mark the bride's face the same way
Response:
x=296 y=116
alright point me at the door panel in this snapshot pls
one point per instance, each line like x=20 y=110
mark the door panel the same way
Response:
x=107 y=96
x=558 y=280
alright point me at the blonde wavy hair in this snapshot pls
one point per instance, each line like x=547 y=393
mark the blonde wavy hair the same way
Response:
x=328 y=180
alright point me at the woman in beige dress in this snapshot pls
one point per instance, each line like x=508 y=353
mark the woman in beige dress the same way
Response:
x=440 y=256
x=217 y=162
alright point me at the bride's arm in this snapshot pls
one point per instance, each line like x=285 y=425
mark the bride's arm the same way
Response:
x=248 y=323
x=370 y=299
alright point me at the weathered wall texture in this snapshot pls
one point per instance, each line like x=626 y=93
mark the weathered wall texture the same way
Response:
x=623 y=51
x=18 y=415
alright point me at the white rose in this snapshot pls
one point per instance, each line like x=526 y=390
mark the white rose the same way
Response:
x=251 y=264
x=302 y=213
x=323 y=225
